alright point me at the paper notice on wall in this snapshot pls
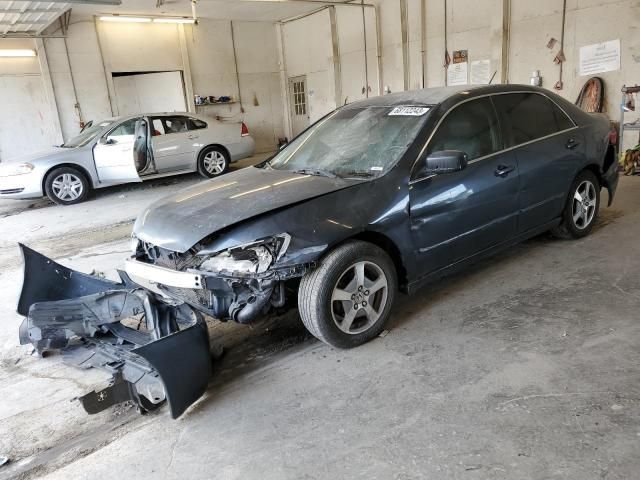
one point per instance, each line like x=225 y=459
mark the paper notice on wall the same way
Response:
x=600 y=57
x=480 y=72
x=457 y=73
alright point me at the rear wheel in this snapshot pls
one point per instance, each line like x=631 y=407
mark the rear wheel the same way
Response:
x=66 y=186
x=347 y=300
x=213 y=161
x=581 y=211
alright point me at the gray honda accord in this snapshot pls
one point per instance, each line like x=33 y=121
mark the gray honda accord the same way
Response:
x=381 y=195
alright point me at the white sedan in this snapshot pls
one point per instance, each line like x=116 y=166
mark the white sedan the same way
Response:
x=127 y=149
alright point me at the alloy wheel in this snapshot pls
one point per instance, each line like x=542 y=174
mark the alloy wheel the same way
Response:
x=214 y=162
x=584 y=204
x=359 y=297
x=67 y=187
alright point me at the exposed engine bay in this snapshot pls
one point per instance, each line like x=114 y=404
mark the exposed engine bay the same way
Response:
x=238 y=283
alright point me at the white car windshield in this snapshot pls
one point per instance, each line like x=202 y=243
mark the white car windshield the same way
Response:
x=353 y=142
x=87 y=135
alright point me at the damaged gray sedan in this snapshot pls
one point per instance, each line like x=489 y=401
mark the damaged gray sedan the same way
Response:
x=381 y=195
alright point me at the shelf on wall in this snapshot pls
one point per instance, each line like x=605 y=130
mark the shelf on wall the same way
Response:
x=212 y=104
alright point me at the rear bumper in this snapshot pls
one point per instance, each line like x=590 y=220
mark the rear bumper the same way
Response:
x=610 y=179
x=89 y=319
x=246 y=147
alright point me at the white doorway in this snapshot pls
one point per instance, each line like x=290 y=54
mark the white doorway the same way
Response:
x=299 y=104
x=149 y=92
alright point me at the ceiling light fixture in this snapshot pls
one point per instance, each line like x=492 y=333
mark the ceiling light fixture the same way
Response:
x=17 y=53
x=121 y=18
x=173 y=20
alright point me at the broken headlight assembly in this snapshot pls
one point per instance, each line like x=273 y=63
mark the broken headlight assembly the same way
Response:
x=250 y=258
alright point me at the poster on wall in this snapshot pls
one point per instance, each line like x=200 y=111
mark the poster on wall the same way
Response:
x=600 y=58
x=457 y=72
x=480 y=72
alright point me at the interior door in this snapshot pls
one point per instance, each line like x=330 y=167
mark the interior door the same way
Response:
x=549 y=149
x=455 y=215
x=113 y=154
x=171 y=143
x=299 y=104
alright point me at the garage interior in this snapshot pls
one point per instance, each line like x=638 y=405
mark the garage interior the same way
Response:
x=525 y=366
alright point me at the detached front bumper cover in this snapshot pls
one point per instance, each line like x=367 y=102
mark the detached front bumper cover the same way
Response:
x=155 y=349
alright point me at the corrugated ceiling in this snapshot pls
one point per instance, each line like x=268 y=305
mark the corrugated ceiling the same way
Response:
x=20 y=17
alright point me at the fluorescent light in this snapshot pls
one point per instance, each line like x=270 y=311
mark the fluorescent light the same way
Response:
x=17 y=53
x=173 y=20
x=120 y=18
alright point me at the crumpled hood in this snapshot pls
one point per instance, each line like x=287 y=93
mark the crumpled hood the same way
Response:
x=179 y=221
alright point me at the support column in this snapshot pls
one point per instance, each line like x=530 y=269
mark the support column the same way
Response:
x=404 y=29
x=186 y=69
x=500 y=30
x=337 y=76
x=284 y=87
x=48 y=89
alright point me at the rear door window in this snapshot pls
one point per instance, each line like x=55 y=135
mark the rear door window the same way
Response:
x=169 y=125
x=196 y=124
x=530 y=116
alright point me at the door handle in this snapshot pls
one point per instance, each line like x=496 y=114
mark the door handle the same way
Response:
x=504 y=170
x=571 y=143
x=192 y=136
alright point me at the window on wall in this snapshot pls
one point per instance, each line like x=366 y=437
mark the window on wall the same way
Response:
x=299 y=98
x=530 y=116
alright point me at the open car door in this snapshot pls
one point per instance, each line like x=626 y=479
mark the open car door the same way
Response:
x=114 y=154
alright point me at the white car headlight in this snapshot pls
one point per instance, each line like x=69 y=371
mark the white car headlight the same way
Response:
x=15 y=169
x=254 y=257
x=133 y=244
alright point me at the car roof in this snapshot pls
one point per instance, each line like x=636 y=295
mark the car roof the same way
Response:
x=436 y=95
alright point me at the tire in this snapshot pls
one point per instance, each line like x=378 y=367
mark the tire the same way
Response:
x=579 y=216
x=335 y=279
x=66 y=186
x=213 y=162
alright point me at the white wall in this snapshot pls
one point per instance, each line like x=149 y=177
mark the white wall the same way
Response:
x=309 y=51
x=27 y=124
x=96 y=49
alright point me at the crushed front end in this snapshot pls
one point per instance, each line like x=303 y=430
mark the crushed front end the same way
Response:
x=155 y=348
x=240 y=283
x=148 y=330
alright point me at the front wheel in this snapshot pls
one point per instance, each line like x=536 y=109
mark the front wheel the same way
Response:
x=213 y=161
x=66 y=186
x=582 y=207
x=347 y=300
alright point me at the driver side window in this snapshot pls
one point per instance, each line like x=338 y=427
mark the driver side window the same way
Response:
x=471 y=127
x=124 y=132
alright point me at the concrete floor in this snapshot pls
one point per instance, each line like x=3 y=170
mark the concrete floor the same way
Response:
x=525 y=367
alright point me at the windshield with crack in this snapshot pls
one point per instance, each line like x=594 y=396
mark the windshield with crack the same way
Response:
x=353 y=142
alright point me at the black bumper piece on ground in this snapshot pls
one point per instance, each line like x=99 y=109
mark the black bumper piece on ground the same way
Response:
x=154 y=348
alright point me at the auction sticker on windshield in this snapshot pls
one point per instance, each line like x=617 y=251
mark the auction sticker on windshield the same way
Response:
x=409 y=111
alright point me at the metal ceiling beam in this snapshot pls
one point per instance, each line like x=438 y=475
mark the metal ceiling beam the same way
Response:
x=313 y=2
x=25 y=22
x=85 y=2
x=14 y=11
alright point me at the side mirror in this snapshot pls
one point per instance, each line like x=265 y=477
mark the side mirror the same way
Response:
x=106 y=141
x=445 y=161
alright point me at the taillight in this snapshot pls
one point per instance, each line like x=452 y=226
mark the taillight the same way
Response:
x=245 y=130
